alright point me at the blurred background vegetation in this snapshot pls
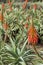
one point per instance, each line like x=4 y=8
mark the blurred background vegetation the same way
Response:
x=21 y=0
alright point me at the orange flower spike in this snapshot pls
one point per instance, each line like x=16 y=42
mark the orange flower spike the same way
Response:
x=24 y=5
x=1 y=17
x=26 y=1
x=35 y=6
x=5 y=26
x=9 y=2
x=3 y=5
x=32 y=35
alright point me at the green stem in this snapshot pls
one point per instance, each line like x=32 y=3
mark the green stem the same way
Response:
x=37 y=53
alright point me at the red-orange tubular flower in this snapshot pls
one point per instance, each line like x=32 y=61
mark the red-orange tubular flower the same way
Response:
x=24 y=5
x=35 y=6
x=1 y=17
x=32 y=35
x=9 y=2
x=26 y=0
x=3 y=5
x=5 y=26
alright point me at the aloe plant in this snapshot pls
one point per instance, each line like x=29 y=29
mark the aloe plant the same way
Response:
x=15 y=50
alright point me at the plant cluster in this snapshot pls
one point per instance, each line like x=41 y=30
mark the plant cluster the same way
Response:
x=20 y=26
